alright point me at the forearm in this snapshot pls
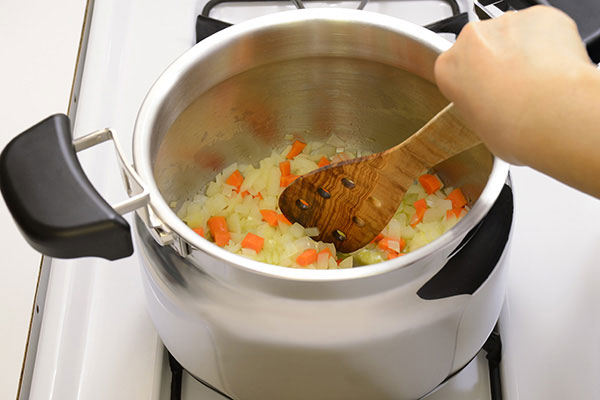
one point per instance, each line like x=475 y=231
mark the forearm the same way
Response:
x=525 y=85
x=561 y=136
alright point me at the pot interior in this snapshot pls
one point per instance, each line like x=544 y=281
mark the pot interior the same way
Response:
x=369 y=85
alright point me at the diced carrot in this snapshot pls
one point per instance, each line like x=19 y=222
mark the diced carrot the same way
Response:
x=384 y=244
x=281 y=218
x=270 y=216
x=199 y=231
x=258 y=195
x=297 y=148
x=217 y=225
x=245 y=193
x=222 y=238
x=323 y=162
x=285 y=168
x=235 y=179
x=458 y=198
x=420 y=207
x=420 y=204
x=307 y=257
x=430 y=183
x=377 y=238
x=286 y=180
x=343 y=156
x=453 y=212
x=392 y=254
x=254 y=242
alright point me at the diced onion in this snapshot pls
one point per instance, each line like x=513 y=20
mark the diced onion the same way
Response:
x=283 y=243
x=322 y=261
x=346 y=263
x=335 y=141
x=297 y=230
x=314 y=231
x=394 y=245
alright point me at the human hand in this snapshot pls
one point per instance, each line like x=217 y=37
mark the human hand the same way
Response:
x=509 y=78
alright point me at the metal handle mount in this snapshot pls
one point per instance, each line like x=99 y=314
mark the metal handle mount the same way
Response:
x=139 y=196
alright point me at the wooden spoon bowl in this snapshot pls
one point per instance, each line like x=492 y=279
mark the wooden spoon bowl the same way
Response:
x=350 y=202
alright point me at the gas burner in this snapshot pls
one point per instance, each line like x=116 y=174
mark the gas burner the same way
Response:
x=420 y=12
x=299 y=4
x=449 y=22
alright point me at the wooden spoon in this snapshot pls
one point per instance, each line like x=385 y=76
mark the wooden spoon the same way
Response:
x=352 y=201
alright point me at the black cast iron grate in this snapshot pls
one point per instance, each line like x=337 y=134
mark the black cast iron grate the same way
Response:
x=299 y=4
x=206 y=26
x=586 y=14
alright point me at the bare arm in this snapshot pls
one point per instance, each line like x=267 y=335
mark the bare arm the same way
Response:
x=525 y=84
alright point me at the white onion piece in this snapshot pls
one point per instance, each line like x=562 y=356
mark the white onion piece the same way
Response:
x=284 y=242
x=346 y=263
x=296 y=230
x=335 y=141
x=323 y=261
x=314 y=231
x=248 y=252
x=331 y=263
x=394 y=245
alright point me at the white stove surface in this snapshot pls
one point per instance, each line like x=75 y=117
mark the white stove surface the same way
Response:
x=97 y=340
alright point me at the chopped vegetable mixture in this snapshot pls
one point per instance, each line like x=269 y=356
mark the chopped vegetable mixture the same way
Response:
x=239 y=211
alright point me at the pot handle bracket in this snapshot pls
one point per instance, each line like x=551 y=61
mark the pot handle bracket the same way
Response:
x=56 y=207
x=139 y=196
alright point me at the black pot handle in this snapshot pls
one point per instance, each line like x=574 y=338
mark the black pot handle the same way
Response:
x=206 y=26
x=476 y=256
x=51 y=199
x=452 y=24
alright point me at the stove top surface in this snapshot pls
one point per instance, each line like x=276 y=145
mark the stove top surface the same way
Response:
x=97 y=340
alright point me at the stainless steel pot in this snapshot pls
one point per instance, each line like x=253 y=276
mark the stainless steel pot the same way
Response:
x=255 y=331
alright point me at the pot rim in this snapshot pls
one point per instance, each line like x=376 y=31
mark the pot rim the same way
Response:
x=158 y=95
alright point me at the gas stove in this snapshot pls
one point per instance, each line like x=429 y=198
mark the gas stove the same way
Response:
x=96 y=340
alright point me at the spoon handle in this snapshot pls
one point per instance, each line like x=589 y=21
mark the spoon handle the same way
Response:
x=441 y=138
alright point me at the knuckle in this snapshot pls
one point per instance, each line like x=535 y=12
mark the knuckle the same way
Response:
x=467 y=30
x=441 y=65
x=552 y=12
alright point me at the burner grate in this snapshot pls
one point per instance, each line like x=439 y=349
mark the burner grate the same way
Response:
x=206 y=26
x=211 y=4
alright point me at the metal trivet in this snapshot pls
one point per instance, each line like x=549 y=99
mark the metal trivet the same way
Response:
x=299 y=4
x=206 y=26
